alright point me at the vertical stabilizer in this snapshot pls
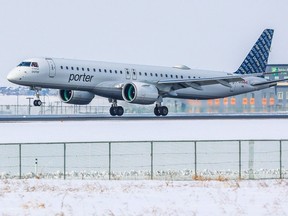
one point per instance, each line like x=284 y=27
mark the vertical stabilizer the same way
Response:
x=257 y=58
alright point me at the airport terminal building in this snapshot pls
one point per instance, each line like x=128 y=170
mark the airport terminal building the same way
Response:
x=274 y=99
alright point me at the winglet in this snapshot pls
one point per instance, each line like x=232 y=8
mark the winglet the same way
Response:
x=257 y=58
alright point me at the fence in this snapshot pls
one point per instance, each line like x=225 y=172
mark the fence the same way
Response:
x=169 y=160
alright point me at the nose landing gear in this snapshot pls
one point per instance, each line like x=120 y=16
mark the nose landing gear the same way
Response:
x=37 y=102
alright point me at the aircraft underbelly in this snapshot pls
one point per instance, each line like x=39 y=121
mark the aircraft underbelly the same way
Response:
x=207 y=92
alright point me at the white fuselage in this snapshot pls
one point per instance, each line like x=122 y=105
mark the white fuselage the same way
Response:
x=107 y=79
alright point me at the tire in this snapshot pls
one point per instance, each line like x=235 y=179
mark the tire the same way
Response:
x=37 y=102
x=113 y=111
x=164 y=111
x=120 y=111
x=157 y=111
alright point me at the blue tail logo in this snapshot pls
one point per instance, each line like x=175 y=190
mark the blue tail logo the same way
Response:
x=257 y=58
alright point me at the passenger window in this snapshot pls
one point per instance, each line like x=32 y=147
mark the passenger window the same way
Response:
x=88 y=69
x=151 y=74
x=105 y=70
x=110 y=71
x=67 y=67
x=156 y=75
x=166 y=75
x=61 y=67
x=181 y=77
x=82 y=69
x=99 y=70
x=78 y=68
x=161 y=75
x=145 y=74
x=72 y=68
x=115 y=71
x=121 y=72
x=176 y=76
x=94 y=69
x=140 y=74
x=171 y=76
x=189 y=77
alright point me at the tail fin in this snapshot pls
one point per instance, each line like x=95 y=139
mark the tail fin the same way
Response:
x=257 y=58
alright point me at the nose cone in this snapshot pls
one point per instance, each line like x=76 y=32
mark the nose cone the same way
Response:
x=13 y=76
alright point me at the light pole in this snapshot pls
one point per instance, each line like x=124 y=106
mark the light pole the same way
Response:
x=29 y=108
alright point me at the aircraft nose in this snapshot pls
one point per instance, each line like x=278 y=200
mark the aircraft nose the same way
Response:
x=13 y=76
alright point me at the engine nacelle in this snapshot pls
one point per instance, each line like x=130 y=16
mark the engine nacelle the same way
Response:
x=140 y=93
x=76 y=97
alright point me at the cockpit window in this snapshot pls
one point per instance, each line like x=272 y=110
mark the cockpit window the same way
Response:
x=24 y=64
x=28 y=64
x=34 y=64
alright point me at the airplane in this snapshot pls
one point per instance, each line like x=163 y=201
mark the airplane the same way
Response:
x=79 y=81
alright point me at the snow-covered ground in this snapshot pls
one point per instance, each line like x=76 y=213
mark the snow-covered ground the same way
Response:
x=78 y=197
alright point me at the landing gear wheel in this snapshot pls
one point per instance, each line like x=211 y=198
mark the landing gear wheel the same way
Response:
x=37 y=102
x=157 y=111
x=116 y=110
x=161 y=110
x=113 y=111
x=164 y=111
x=120 y=111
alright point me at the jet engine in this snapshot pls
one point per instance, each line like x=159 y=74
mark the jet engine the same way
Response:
x=140 y=93
x=76 y=97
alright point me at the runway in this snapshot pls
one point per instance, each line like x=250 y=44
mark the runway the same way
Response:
x=142 y=117
x=47 y=129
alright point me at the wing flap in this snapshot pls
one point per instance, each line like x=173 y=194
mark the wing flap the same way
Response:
x=198 y=83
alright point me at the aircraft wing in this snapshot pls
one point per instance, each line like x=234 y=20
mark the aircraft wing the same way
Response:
x=197 y=83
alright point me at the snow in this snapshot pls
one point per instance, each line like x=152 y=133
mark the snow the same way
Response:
x=87 y=197
x=143 y=130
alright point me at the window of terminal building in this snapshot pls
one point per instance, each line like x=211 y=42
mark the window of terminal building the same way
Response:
x=280 y=95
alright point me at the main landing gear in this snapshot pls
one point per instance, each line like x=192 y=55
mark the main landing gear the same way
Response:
x=160 y=110
x=115 y=110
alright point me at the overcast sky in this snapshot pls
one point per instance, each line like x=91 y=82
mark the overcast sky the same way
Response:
x=209 y=34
